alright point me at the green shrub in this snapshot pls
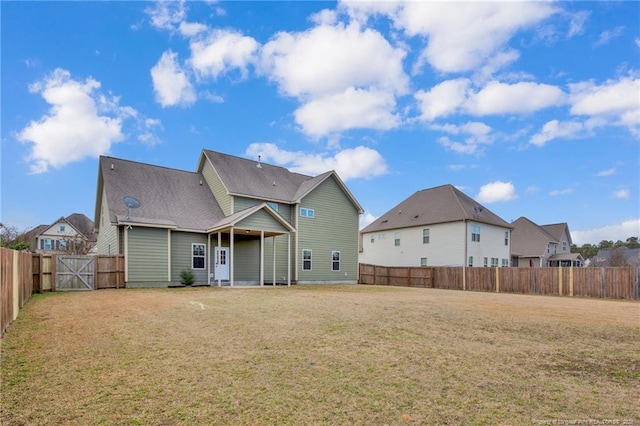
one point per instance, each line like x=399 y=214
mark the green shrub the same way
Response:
x=187 y=277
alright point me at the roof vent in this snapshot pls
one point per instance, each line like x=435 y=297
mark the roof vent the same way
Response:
x=200 y=182
x=416 y=216
x=385 y=221
x=259 y=165
x=112 y=166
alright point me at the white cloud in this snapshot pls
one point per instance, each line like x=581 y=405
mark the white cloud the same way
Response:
x=474 y=133
x=576 y=24
x=619 y=231
x=354 y=163
x=608 y=172
x=170 y=82
x=558 y=192
x=556 y=129
x=191 y=29
x=81 y=122
x=329 y=59
x=608 y=35
x=518 y=98
x=496 y=191
x=167 y=15
x=443 y=99
x=366 y=219
x=621 y=194
x=616 y=100
x=496 y=98
x=351 y=109
x=462 y=39
x=221 y=52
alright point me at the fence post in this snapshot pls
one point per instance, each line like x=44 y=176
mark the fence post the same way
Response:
x=603 y=275
x=559 y=281
x=95 y=272
x=497 y=279
x=16 y=285
x=571 y=281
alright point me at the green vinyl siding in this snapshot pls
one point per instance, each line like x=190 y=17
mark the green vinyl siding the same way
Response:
x=261 y=220
x=281 y=242
x=148 y=253
x=217 y=188
x=333 y=227
x=284 y=210
x=246 y=264
x=181 y=250
x=108 y=234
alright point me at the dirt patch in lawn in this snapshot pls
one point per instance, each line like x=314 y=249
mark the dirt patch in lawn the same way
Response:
x=319 y=355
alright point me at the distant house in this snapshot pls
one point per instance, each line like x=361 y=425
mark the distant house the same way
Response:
x=71 y=234
x=535 y=245
x=233 y=221
x=603 y=257
x=439 y=226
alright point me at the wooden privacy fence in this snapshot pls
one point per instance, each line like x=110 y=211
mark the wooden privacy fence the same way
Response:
x=62 y=272
x=617 y=283
x=16 y=285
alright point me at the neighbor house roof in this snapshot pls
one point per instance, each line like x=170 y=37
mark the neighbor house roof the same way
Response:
x=432 y=206
x=168 y=197
x=254 y=179
x=83 y=224
x=558 y=230
x=529 y=239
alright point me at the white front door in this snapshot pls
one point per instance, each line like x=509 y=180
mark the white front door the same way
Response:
x=221 y=271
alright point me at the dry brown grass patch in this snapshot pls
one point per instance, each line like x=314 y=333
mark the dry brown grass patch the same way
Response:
x=319 y=355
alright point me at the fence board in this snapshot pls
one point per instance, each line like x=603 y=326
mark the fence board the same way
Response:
x=621 y=283
x=109 y=271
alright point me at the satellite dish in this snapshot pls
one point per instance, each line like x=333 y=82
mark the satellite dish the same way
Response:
x=131 y=203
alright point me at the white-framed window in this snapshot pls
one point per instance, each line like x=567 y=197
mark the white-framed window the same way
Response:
x=197 y=256
x=475 y=233
x=306 y=259
x=62 y=228
x=486 y=262
x=564 y=246
x=382 y=236
x=505 y=263
x=274 y=206
x=305 y=212
x=335 y=260
x=373 y=238
x=46 y=244
x=425 y=236
x=506 y=238
x=61 y=245
x=470 y=260
x=494 y=261
x=423 y=261
x=396 y=238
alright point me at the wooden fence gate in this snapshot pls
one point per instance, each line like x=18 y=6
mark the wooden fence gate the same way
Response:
x=74 y=273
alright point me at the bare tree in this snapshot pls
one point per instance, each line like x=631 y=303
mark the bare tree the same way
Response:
x=618 y=257
x=11 y=238
x=77 y=244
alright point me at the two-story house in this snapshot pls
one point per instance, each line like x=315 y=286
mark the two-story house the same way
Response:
x=439 y=226
x=536 y=245
x=71 y=234
x=233 y=221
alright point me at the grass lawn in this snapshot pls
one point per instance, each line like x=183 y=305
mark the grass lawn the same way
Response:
x=309 y=355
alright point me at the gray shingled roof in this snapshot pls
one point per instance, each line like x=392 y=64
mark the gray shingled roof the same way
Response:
x=529 y=239
x=168 y=196
x=435 y=205
x=243 y=177
x=557 y=230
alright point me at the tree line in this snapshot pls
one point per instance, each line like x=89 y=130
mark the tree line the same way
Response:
x=617 y=256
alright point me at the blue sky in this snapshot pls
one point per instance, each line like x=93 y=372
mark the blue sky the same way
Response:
x=533 y=109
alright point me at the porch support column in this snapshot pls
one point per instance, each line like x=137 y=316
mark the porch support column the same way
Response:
x=217 y=267
x=231 y=256
x=289 y=259
x=274 y=260
x=262 y=258
x=208 y=259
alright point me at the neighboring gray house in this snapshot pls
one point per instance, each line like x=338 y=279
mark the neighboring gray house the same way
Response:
x=71 y=234
x=439 y=226
x=232 y=221
x=630 y=256
x=535 y=245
